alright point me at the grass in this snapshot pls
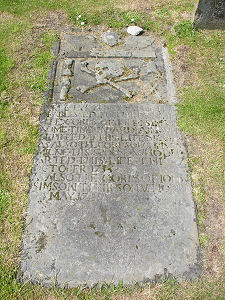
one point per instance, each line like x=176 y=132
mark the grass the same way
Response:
x=6 y=65
x=40 y=60
x=26 y=37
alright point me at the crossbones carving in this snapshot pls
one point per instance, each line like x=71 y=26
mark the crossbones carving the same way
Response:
x=104 y=72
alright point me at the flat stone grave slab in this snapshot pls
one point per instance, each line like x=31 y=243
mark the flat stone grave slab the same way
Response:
x=110 y=197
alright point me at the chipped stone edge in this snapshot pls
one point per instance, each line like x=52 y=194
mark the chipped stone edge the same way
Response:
x=171 y=89
x=51 y=80
x=195 y=270
x=46 y=105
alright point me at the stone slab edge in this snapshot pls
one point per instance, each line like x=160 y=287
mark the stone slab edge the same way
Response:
x=46 y=105
x=48 y=95
x=196 y=269
x=171 y=89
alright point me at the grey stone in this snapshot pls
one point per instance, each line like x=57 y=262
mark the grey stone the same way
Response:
x=135 y=47
x=171 y=89
x=210 y=14
x=106 y=75
x=134 y=30
x=68 y=62
x=110 y=38
x=67 y=67
x=56 y=48
x=74 y=46
x=151 y=67
x=64 y=88
x=65 y=82
x=110 y=197
x=63 y=92
x=107 y=80
x=66 y=72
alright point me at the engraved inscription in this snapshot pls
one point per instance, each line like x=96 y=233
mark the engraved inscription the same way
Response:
x=82 y=153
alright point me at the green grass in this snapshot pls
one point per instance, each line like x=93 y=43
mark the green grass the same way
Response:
x=28 y=142
x=201 y=116
x=6 y=64
x=41 y=59
x=4 y=200
x=202 y=111
x=113 y=18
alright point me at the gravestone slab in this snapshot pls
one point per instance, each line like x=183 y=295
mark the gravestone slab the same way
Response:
x=136 y=71
x=110 y=198
x=210 y=14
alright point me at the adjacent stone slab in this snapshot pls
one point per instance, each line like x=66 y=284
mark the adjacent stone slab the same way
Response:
x=110 y=197
x=210 y=14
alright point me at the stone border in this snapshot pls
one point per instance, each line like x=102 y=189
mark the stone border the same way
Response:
x=171 y=89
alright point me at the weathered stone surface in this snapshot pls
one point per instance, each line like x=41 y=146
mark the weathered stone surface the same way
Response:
x=110 y=38
x=78 y=46
x=134 y=30
x=114 y=80
x=110 y=197
x=210 y=14
x=134 y=46
x=137 y=70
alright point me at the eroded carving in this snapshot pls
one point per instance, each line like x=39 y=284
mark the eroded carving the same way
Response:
x=110 y=73
x=66 y=82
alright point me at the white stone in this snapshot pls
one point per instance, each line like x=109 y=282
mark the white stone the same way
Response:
x=134 y=30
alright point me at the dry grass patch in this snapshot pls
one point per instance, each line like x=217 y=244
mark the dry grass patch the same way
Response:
x=53 y=20
x=208 y=192
x=147 y=4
